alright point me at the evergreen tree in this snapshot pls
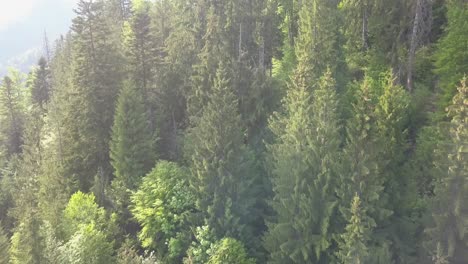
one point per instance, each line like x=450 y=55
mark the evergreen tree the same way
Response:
x=142 y=56
x=40 y=89
x=318 y=43
x=11 y=113
x=4 y=247
x=27 y=243
x=451 y=56
x=94 y=86
x=353 y=243
x=449 y=207
x=304 y=160
x=362 y=172
x=131 y=148
x=221 y=163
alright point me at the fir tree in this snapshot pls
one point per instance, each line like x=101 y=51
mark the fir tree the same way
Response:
x=353 y=243
x=451 y=56
x=40 y=89
x=317 y=45
x=95 y=83
x=362 y=172
x=449 y=208
x=304 y=160
x=131 y=149
x=27 y=243
x=142 y=57
x=220 y=163
x=11 y=113
x=4 y=247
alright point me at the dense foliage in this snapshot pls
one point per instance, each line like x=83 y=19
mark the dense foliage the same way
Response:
x=248 y=131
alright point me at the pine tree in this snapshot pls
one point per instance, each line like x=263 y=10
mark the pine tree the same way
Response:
x=353 y=243
x=131 y=149
x=221 y=164
x=449 y=208
x=304 y=160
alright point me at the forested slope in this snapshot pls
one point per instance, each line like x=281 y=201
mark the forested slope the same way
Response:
x=239 y=132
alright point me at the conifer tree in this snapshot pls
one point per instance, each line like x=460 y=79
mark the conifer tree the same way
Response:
x=451 y=57
x=40 y=89
x=27 y=243
x=11 y=113
x=92 y=93
x=353 y=243
x=304 y=159
x=4 y=247
x=131 y=149
x=449 y=236
x=362 y=172
x=221 y=164
x=142 y=57
x=214 y=50
x=318 y=40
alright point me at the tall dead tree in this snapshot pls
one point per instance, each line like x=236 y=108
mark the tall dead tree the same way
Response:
x=422 y=23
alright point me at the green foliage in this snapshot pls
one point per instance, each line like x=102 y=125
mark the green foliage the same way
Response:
x=4 y=247
x=82 y=210
x=12 y=113
x=451 y=56
x=200 y=250
x=353 y=243
x=449 y=209
x=304 y=165
x=229 y=251
x=342 y=172
x=40 y=88
x=88 y=246
x=128 y=254
x=131 y=148
x=27 y=243
x=221 y=164
x=165 y=206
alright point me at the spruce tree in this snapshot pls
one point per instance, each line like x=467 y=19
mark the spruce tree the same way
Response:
x=304 y=159
x=40 y=88
x=92 y=92
x=318 y=43
x=142 y=56
x=131 y=148
x=353 y=243
x=27 y=244
x=451 y=56
x=11 y=113
x=451 y=192
x=362 y=171
x=221 y=163
x=4 y=247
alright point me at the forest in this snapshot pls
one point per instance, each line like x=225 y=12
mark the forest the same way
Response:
x=241 y=132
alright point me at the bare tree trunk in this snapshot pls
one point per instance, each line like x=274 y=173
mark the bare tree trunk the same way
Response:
x=421 y=24
x=365 y=27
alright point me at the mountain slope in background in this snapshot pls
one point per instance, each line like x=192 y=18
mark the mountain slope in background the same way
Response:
x=22 y=38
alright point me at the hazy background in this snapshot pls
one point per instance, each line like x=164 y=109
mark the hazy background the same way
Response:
x=22 y=27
